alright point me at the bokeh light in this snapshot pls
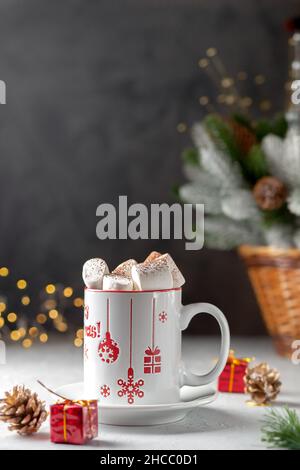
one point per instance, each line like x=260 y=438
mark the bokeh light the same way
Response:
x=41 y=318
x=27 y=343
x=4 y=271
x=25 y=300
x=12 y=317
x=50 y=288
x=21 y=284
x=43 y=338
x=68 y=292
x=78 y=302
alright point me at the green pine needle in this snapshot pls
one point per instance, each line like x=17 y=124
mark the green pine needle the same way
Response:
x=191 y=156
x=254 y=164
x=281 y=429
x=278 y=216
x=277 y=126
x=222 y=135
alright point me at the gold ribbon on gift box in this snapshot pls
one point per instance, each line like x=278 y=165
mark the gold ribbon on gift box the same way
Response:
x=233 y=362
x=68 y=404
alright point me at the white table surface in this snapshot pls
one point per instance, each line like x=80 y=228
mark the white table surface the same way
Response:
x=228 y=423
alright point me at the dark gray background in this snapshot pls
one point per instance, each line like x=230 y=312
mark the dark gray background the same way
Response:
x=95 y=90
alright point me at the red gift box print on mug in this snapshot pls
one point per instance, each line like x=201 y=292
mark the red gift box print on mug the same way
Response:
x=152 y=358
x=130 y=387
x=152 y=361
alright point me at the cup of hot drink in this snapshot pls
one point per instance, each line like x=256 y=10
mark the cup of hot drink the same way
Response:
x=133 y=322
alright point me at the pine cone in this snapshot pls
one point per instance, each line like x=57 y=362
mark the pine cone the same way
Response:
x=243 y=137
x=22 y=410
x=269 y=193
x=262 y=383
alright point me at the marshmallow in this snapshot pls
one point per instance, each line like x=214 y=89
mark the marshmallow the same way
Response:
x=153 y=255
x=124 y=269
x=178 y=279
x=93 y=271
x=117 y=282
x=150 y=276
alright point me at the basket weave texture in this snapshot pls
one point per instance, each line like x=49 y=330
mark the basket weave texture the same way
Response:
x=275 y=277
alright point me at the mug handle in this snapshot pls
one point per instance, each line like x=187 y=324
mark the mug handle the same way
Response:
x=187 y=313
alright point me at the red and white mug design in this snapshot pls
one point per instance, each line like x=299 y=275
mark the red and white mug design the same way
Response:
x=140 y=333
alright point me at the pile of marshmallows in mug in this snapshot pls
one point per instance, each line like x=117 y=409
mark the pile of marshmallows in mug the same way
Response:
x=157 y=272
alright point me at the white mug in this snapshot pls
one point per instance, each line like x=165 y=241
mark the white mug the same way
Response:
x=132 y=346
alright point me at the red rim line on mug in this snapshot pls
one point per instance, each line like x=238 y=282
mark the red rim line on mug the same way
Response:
x=175 y=289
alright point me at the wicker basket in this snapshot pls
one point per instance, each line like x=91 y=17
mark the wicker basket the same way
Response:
x=275 y=277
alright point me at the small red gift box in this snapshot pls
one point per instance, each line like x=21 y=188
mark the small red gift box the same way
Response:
x=74 y=422
x=152 y=361
x=232 y=378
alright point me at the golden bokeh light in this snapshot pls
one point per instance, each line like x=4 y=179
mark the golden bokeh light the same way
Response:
x=22 y=332
x=2 y=307
x=230 y=100
x=43 y=338
x=211 y=52
x=61 y=327
x=33 y=331
x=79 y=333
x=2 y=322
x=4 y=271
x=27 y=343
x=203 y=63
x=181 y=127
x=12 y=317
x=227 y=82
x=15 y=335
x=50 y=288
x=78 y=342
x=68 y=292
x=204 y=100
x=259 y=79
x=21 y=284
x=53 y=314
x=246 y=101
x=25 y=300
x=41 y=318
x=78 y=302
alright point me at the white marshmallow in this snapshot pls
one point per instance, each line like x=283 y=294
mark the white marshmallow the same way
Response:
x=151 y=276
x=93 y=272
x=124 y=269
x=178 y=279
x=117 y=282
x=153 y=255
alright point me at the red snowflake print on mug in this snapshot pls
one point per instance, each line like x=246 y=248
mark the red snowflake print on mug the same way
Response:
x=105 y=391
x=130 y=387
x=163 y=317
